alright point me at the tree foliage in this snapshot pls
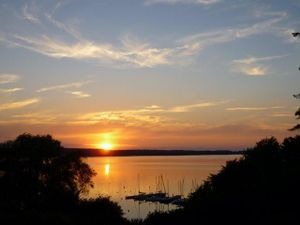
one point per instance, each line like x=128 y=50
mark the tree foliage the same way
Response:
x=297 y=114
x=36 y=172
x=262 y=187
x=41 y=183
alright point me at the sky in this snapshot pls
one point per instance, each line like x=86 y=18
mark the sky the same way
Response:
x=149 y=74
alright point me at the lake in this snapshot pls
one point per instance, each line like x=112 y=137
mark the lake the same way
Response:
x=119 y=177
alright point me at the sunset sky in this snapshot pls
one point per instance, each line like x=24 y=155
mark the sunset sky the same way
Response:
x=161 y=74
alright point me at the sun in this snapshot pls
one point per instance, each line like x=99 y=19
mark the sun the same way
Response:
x=106 y=146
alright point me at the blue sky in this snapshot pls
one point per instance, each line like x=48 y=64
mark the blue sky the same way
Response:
x=194 y=74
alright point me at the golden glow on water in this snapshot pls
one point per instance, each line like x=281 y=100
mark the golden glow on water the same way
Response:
x=106 y=169
x=119 y=177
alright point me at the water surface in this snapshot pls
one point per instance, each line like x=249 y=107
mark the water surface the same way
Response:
x=121 y=176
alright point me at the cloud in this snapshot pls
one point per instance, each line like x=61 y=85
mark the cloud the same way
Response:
x=64 y=86
x=142 y=54
x=150 y=115
x=38 y=118
x=42 y=117
x=230 y=34
x=251 y=65
x=18 y=104
x=200 y=2
x=10 y=90
x=79 y=94
x=29 y=15
x=153 y=107
x=277 y=107
x=8 y=78
x=137 y=54
x=188 y=108
x=132 y=117
x=66 y=28
x=132 y=52
x=251 y=60
x=282 y=114
x=247 y=109
x=254 y=70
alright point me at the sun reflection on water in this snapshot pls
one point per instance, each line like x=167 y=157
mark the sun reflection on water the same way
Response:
x=106 y=169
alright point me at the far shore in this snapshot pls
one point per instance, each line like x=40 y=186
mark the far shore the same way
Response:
x=149 y=152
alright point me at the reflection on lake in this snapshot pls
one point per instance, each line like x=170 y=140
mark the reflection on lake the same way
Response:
x=122 y=176
x=106 y=169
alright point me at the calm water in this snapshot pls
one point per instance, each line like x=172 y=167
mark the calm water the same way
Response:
x=121 y=176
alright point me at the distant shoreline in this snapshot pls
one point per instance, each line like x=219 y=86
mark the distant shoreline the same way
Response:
x=142 y=152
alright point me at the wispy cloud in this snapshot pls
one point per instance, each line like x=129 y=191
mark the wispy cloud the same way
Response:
x=277 y=107
x=10 y=90
x=38 y=118
x=230 y=34
x=282 y=114
x=136 y=53
x=187 y=108
x=79 y=94
x=153 y=114
x=251 y=60
x=42 y=117
x=126 y=117
x=18 y=104
x=200 y=2
x=64 y=86
x=29 y=15
x=254 y=70
x=69 y=29
x=252 y=65
x=247 y=109
x=8 y=78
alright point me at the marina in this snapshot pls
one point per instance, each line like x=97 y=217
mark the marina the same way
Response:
x=161 y=196
x=145 y=184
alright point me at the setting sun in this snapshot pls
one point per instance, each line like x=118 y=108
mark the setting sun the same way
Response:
x=106 y=146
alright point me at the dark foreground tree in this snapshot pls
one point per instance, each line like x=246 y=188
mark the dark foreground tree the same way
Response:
x=260 y=188
x=37 y=173
x=40 y=183
x=297 y=114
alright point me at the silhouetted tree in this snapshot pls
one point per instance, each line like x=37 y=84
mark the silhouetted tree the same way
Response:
x=37 y=173
x=262 y=187
x=297 y=113
x=41 y=183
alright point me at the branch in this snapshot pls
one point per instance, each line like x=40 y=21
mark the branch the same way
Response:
x=297 y=127
x=297 y=113
x=297 y=96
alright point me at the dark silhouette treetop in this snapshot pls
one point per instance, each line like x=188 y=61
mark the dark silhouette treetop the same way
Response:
x=261 y=187
x=38 y=146
x=297 y=113
x=36 y=172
